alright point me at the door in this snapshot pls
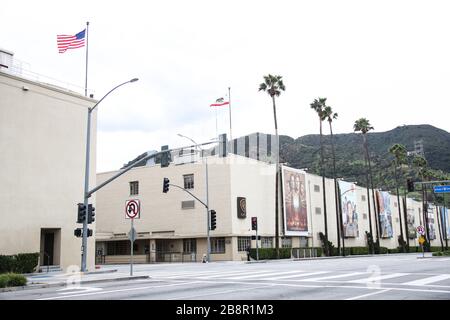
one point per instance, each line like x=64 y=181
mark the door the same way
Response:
x=49 y=242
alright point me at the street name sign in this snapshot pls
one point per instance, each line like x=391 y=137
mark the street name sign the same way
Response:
x=441 y=189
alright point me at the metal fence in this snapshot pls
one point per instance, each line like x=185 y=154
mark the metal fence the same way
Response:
x=300 y=253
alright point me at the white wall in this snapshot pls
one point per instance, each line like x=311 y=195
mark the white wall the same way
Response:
x=43 y=143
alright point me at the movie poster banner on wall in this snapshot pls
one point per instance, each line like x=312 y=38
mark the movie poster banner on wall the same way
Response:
x=295 y=205
x=445 y=223
x=349 y=213
x=410 y=219
x=431 y=223
x=385 y=214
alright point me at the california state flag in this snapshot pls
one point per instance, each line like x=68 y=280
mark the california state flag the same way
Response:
x=219 y=102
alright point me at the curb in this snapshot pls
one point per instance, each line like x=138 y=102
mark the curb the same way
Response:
x=101 y=271
x=62 y=284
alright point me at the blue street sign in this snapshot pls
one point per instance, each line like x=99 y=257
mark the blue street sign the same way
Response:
x=441 y=189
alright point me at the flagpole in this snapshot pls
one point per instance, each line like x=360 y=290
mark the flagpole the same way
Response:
x=217 y=134
x=229 y=108
x=87 y=47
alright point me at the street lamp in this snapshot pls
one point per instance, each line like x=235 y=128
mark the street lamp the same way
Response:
x=86 y=176
x=208 y=246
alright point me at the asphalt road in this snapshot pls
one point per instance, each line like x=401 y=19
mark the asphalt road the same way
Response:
x=379 y=277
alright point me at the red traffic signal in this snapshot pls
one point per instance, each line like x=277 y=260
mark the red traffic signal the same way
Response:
x=254 y=223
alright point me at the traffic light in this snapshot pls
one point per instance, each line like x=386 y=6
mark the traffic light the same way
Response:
x=166 y=185
x=81 y=213
x=254 y=223
x=91 y=214
x=78 y=232
x=410 y=184
x=213 y=220
x=89 y=232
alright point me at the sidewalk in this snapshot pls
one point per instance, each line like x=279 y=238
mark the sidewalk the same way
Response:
x=61 y=279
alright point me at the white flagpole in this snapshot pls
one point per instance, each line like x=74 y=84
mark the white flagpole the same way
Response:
x=217 y=134
x=229 y=108
x=87 y=47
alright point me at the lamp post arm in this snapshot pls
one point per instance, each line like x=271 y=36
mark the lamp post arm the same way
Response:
x=98 y=102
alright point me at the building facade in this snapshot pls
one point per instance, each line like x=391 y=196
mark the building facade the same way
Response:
x=173 y=226
x=43 y=143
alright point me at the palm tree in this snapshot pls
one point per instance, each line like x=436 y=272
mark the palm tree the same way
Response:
x=399 y=152
x=330 y=116
x=421 y=164
x=363 y=125
x=273 y=85
x=319 y=106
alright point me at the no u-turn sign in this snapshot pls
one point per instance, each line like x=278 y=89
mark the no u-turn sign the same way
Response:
x=132 y=209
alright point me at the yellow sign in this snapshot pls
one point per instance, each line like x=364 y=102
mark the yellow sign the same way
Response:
x=421 y=240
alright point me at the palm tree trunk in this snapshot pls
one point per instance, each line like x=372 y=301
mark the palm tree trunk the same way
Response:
x=322 y=173
x=405 y=214
x=277 y=227
x=338 y=234
x=371 y=248
x=398 y=205
x=375 y=203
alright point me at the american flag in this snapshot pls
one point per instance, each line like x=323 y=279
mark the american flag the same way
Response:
x=71 y=42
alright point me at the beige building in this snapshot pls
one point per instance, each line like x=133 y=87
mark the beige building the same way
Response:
x=173 y=225
x=43 y=143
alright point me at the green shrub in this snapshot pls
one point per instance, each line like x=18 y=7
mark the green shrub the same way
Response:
x=20 y=263
x=359 y=250
x=26 y=262
x=12 y=280
x=7 y=264
x=437 y=254
x=270 y=253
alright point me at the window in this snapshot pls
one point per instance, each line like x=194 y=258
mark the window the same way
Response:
x=266 y=242
x=318 y=210
x=217 y=245
x=134 y=188
x=286 y=243
x=189 y=204
x=188 y=181
x=316 y=188
x=363 y=198
x=365 y=216
x=114 y=248
x=244 y=243
x=189 y=245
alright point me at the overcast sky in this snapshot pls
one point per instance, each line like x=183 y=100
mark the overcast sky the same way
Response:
x=387 y=61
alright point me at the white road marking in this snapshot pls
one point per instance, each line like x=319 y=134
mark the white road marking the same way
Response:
x=368 y=294
x=333 y=277
x=206 y=273
x=428 y=280
x=218 y=292
x=373 y=279
x=231 y=273
x=72 y=290
x=299 y=275
x=261 y=274
x=119 y=290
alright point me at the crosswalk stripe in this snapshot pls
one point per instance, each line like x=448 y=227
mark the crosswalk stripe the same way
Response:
x=372 y=279
x=428 y=280
x=299 y=275
x=194 y=274
x=232 y=273
x=334 y=277
x=254 y=275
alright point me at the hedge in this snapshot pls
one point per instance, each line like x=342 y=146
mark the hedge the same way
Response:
x=441 y=253
x=19 y=263
x=12 y=280
x=270 y=253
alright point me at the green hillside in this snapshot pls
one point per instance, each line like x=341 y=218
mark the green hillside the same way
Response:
x=304 y=152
